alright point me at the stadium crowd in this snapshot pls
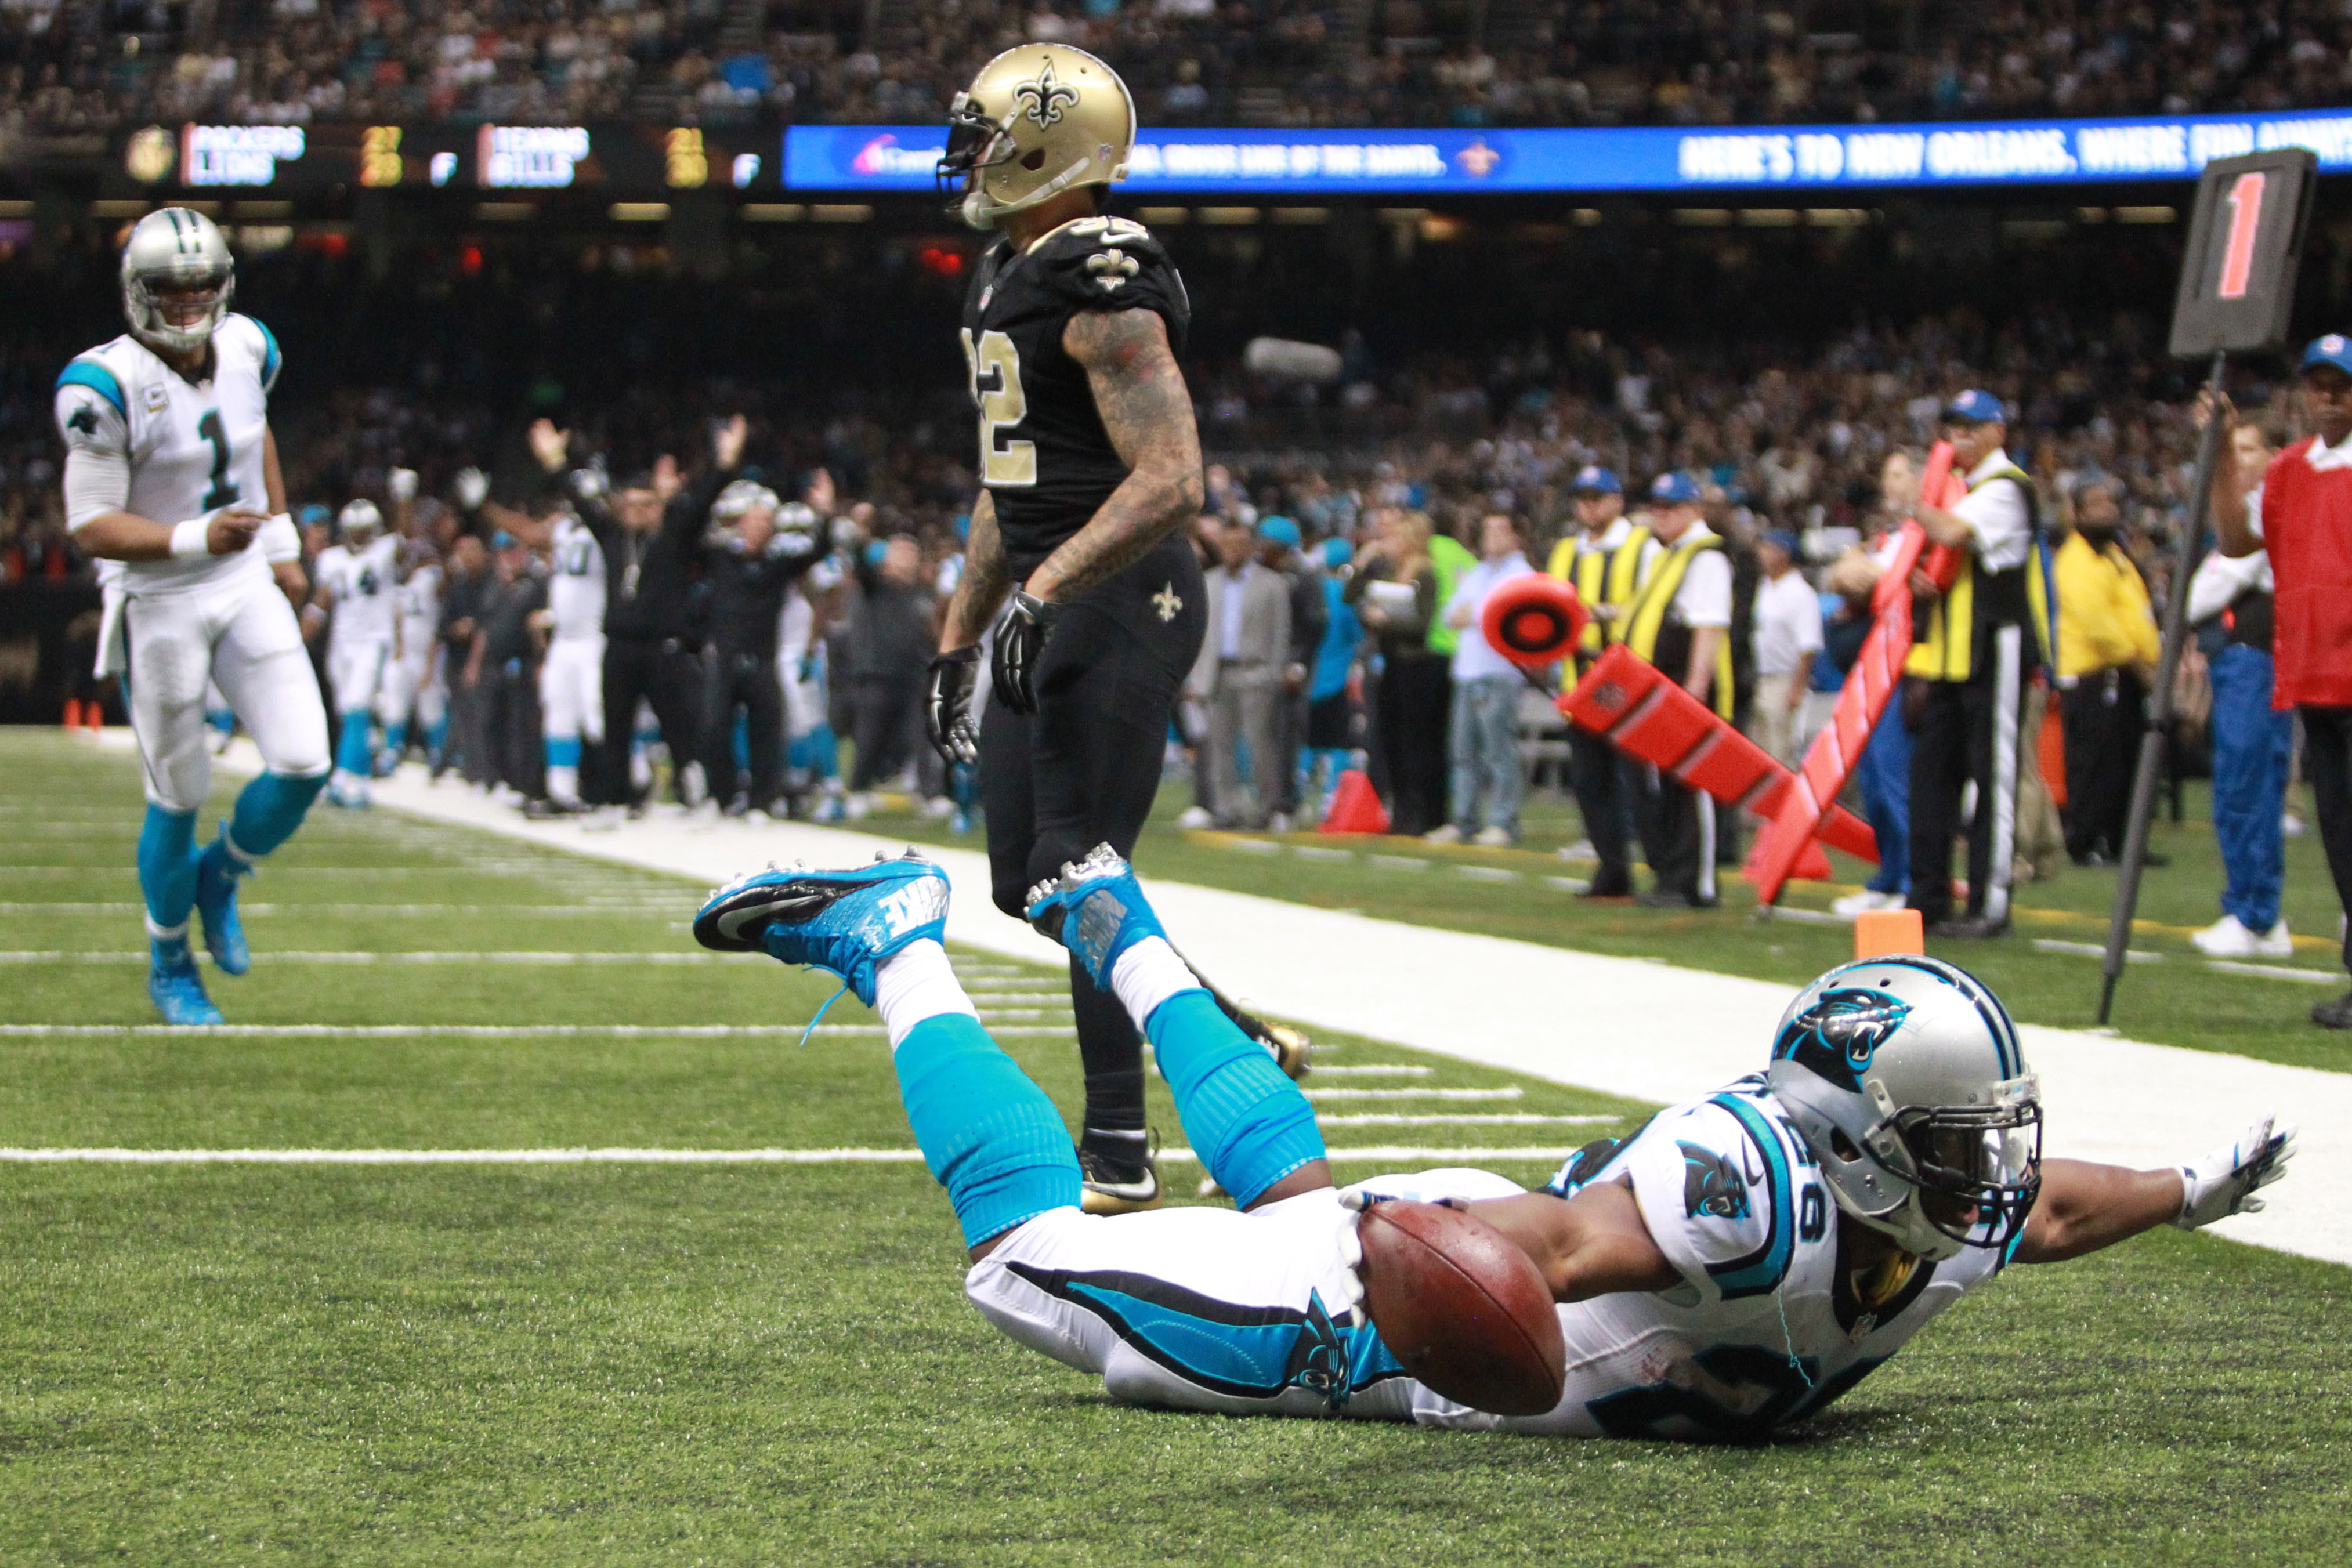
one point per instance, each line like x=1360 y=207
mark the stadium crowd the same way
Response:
x=66 y=69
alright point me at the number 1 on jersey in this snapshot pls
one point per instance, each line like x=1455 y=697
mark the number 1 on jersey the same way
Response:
x=210 y=429
x=1001 y=405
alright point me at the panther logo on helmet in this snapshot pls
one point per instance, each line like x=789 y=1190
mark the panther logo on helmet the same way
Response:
x=1839 y=1034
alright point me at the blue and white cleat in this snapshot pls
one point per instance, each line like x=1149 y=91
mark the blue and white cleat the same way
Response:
x=175 y=987
x=846 y=922
x=217 y=874
x=1096 y=909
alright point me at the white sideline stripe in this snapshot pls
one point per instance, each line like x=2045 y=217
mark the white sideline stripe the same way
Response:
x=2278 y=972
x=1648 y=1032
x=1374 y=1070
x=1513 y=1093
x=1469 y=1119
x=642 y=1157
x=2092 y=950
x=479 y=1030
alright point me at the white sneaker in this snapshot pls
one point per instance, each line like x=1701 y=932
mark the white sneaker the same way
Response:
x=1864 y=903
x=1194 y=817
x=1278 y=823
x=2227 y=938
x=1493 y=838
x=2290 y=826
x=2275 y=943
x=1443 y=833
x=1582 y=849
x=939 y=807
x=859 y=806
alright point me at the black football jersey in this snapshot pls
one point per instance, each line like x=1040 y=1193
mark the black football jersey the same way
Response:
x=1044 y=454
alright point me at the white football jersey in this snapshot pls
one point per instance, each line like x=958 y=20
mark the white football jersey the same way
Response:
x=575 y=589
x=191 y=447
x=1771 y=1322
x=420 y=609
x=365 y=586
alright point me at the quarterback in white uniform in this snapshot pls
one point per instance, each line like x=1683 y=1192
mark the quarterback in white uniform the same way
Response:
x=1736 y=1264
x=171 y=470
x=359 y=587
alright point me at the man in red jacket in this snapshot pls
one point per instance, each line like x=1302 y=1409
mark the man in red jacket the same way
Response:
x=2306 y=524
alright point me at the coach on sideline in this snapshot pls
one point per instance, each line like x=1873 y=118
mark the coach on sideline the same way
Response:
x=2306 y=524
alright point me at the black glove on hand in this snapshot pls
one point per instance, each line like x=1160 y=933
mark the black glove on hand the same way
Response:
x=947 y=706
x=1020 y=644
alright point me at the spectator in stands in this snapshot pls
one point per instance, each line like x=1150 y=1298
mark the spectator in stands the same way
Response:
x=1394 y=591
x=1280 y=551
x=1238 y=676
x=1787 y=634
x=892 y=631
x=2306 y=517
x=1883 y=773
x=2106 y=659
x=1681 y=622
x=2231 y=604
x=1483 y=731
x=1606 y=560
x=1334 y=726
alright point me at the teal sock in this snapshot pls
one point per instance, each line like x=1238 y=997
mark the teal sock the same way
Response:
x=167 y=866
x=1250 y=1124
x=351 y=754
x=989 y=1135
x=269 y=809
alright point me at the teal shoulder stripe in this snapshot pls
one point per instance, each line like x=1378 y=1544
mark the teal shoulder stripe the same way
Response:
x=270 y=357
x=99 y=379
x=1763 y=1270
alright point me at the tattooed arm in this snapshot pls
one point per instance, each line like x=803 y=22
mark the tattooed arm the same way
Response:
x=987 y=578
x=1141 y=394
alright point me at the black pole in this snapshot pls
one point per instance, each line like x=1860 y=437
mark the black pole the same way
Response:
x=2159 y=707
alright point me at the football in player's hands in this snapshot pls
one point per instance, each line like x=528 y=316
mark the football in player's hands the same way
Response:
x=1463 y=1309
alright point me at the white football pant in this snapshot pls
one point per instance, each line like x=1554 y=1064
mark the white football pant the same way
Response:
x=240 y=634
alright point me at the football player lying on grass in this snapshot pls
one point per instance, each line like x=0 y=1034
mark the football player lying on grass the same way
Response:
x=1737 y=1263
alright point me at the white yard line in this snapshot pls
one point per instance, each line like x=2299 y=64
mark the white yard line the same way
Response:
x=1471 y=1119
x=1645 y=1030
x=1513 y=1093
x=652 y=1156
x=530 y=911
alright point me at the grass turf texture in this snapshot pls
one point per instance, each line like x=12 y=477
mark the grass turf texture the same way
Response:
x=571 y=1363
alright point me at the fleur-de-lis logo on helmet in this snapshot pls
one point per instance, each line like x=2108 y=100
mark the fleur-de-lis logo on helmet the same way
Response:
x=1042 y=99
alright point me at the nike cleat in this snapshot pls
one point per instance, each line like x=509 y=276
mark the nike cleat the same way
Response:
x=217 y=874
x=846 y=922
x=1107 y=1185
x=1097 y=910
x=177 y=990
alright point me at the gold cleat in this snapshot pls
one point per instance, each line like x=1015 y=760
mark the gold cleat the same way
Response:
x=1109 y=1187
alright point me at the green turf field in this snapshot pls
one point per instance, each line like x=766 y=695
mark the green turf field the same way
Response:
x=624 y=1362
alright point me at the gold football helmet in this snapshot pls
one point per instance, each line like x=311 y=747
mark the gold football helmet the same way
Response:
x=1037 y=120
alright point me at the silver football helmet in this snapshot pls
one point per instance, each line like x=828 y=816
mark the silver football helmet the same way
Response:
x=175 y=249
x=359 y=521
x=742 y=499
x=1904 y=1076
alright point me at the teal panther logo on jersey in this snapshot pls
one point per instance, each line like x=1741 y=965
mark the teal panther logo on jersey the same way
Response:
x=1839 y=1034
x=1712 y=1185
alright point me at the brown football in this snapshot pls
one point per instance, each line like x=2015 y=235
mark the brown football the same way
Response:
x=1462 y=1307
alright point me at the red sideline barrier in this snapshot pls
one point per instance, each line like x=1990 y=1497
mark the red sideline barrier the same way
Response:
x=1869 y=685
x=1649 y=717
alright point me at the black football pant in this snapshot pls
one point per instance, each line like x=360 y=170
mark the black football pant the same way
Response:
x=745 y=682
x=664 y=675
x=1595 y=774
x=889 y=721
x=1677 y=825
x=2104 y=717
x=1967 y=732
x=2328 y=763
x=1083 y=770
x=1416 y=706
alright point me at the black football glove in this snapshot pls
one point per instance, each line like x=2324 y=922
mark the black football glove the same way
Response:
x=1021 y=634
x=947 y=706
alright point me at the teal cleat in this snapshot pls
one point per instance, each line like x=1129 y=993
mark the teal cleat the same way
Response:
x=846 y=922
x=217 y=872
x=1096 y=909
x=176 y=989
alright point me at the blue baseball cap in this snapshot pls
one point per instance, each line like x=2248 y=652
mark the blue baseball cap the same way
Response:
x=1784 y=538
x=316 y=514
x=1974 y=407
x=1594 y=480
x=1279 y=530
x=1675 y=489
x=502 y=540
x=2335 y=348
x=1337 y=552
